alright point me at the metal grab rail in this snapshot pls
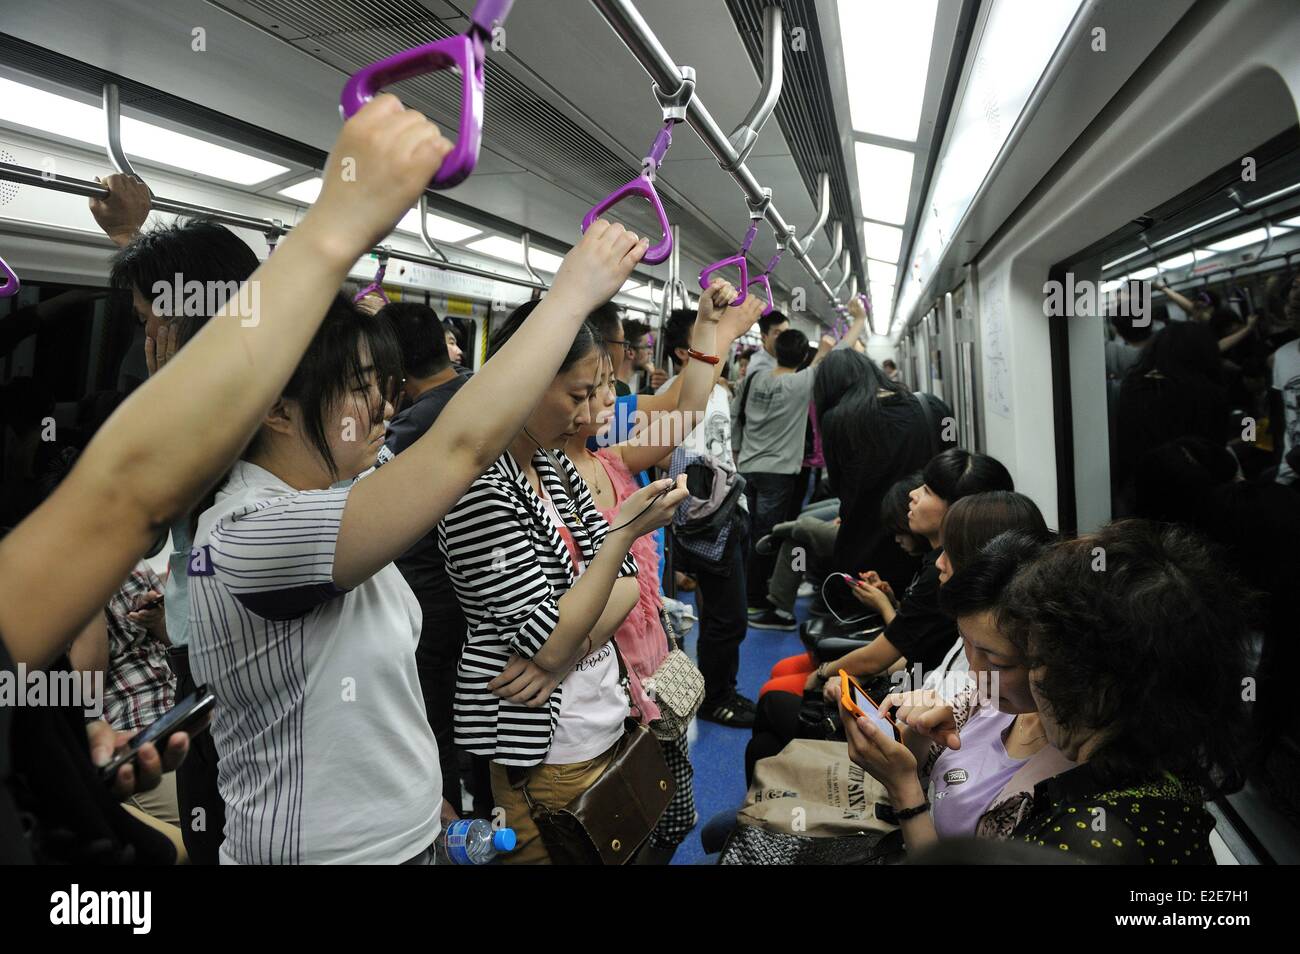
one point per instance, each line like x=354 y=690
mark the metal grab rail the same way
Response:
x=636 y=34
x=744 y=136
x=25 y=175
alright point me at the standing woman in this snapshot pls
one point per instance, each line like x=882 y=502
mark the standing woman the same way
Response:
x=302 y=625
x=545 y=583
x=608 y=475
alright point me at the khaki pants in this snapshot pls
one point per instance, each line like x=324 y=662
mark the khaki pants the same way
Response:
x=551 y=785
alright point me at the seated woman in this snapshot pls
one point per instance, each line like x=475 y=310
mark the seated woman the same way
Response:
x=918 y=635
x=608 y=476
x=544 y=583
x=1135 y=641
x=1136 y=638
x=793 y=674
x=984 y=751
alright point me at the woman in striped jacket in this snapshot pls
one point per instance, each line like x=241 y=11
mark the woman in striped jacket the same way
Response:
x=544 y=583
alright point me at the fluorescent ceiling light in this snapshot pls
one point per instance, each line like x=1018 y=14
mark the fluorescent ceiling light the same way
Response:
x=1142 y=274
x=1197 y=227
x=1240 y=240
x=512 y=250
x=1178 y=261
x=640 y=291
x=1274 y=195
x=881 y=273
x=884 y=242
x=442 y=229
x=1008 y=58
x=50 y=113
x=306 y=192
x=1293 y=223
x=886 y=51
x=1123 y=258
x=885 y=180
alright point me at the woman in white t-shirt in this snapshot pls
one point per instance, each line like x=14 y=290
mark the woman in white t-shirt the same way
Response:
x=301 y=624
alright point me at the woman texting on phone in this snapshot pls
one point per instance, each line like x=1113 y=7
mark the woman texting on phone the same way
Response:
x=545 y=583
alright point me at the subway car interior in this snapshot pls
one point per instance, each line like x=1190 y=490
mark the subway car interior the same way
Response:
x=1025 y=271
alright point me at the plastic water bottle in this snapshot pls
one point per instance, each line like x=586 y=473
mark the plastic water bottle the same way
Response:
x=472 y=841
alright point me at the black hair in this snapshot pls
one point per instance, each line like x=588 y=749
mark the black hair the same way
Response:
x=421 y=335
x=604 y=320
x=956 y=473
x=846 y=396
x=1148 y=648
x=1125 y=326
x=331 y=367
x=976 y=519
x=791 y=348
x=985 y=574
x=634 y=330
x=196 y=250
x=584 y=342
x=677 y=332
x=893 y=509
x=888 y=363
x=1185 y=351
x=1172 y=481
x=769 y=321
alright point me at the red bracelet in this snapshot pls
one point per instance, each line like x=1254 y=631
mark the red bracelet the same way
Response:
x=701 y=356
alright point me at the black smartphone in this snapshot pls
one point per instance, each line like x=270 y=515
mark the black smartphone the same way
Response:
x=188 y=715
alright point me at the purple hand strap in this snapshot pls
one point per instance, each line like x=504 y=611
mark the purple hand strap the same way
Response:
x=764 y=281
x=464 y=52
x=643 y=186
x=737 y=260
x=374 y=288
x=11 y=285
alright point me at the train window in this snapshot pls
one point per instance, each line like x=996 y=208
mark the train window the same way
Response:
x=67 y=355
x=1201 y=301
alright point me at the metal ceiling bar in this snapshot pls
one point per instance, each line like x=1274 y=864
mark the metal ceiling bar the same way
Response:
x=624 y=19
x=25 y=175
x=823 y=209
x=744 y=136
x=425 y=237
x=113 y=122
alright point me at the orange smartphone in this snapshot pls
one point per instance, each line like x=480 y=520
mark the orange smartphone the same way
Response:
x=854 y=699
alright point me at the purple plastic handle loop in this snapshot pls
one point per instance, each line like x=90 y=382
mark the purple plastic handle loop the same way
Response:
x=643 y=185
x=11 y=284
x=464 y=52
x=767 y=292
x=376 y=287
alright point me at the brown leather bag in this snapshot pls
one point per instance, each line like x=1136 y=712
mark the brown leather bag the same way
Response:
x=607 y=823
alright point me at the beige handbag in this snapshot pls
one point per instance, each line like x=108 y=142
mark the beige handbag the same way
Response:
x=677 y=687
x=812 y=788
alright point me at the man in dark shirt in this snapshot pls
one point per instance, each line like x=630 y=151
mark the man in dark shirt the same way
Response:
x=431 y=382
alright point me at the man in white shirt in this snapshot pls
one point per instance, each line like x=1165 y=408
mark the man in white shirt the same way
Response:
x=770 y=327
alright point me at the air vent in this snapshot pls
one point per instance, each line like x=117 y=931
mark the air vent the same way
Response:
x=8 y=190
x=806 y=111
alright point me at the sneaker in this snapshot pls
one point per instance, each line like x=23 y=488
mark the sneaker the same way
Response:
x=752 y=611
x=774 y=619
x=806 y=590
x=736 y=712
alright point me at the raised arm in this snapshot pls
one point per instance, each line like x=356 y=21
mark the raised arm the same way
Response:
x=176 y=434
x=484 y=416
x=855 y=328
x=716 y=327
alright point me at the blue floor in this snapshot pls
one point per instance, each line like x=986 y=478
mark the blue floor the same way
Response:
x=717 y=752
